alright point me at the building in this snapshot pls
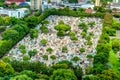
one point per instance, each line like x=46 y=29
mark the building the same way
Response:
x=57 y=1
x=36 y=4
x=17 y=13
x=86 y=6
x=116 y=1
x=88 y=10
x=17 y=2
x=97 y=2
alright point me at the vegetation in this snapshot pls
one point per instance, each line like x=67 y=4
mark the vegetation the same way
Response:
x=44 y=41
x=63 y=70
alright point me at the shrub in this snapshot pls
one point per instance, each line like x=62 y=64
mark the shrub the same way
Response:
x=71 y=33
x=44 y=29
x=74 y=38
x=23 y=51
x=89 y=56
x=22 y=47
x=60 y=33
x=49 y=50
x=62 y=27
x=82 y=49
x=89 y=42
x=91 y=24
x=32 y=52
x=83 y=33
x=2 y=28
x=76 y=58
x=33 y=33
x=53 y=57
x=45 y=57
x=6 y=59
x=26 y=57
x=44 y=41
x=64 y=49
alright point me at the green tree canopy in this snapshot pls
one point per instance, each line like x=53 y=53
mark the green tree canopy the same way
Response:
x=10 y=34
x=5 y=69
x=63 y=74
x=21 y=77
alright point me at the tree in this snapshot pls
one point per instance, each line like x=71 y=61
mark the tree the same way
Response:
x=42 y=77
x=37 y=67
x=82 y=10
x=2 y=28
x=26 y=57
x=98 y=68
x=21 y=77
x=13 y=5
x=101 y=58
x=7 y=20
x=5 y=45
x=63 y=74
x=38 y=13
x=78 y=72
x=116 y=44
x=19 y=29
x=73 y=1
x=29 y=73
x=90 y=77
x=5 y=69
x=68 y=63
x=13 y=20
x=22 y=49
x=109 y=75
x=104 y=48
x=62 y=27
x=45 y=22
x=1 y=20
x=108 y=19
x=10 y=34
x=33 y=33
x=6 y=59
x=32 y=21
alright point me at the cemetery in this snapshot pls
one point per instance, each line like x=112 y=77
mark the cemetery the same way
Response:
x=60 y=38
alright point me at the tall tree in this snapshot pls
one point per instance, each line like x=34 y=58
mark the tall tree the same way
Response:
x=63 y=74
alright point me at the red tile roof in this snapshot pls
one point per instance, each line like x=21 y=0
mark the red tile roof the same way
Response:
x=88 y=10
x=16 y=0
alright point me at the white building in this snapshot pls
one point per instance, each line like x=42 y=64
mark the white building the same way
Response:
x=86 y=6
x=56 y=1
x=18 y=13
x=36 y=4
x=97 y=2
x=116 y=1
